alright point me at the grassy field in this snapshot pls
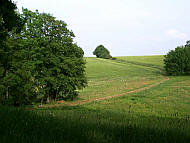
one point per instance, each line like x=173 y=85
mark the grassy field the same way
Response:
x=150 y=108
x=155 y=60
x=108 y=77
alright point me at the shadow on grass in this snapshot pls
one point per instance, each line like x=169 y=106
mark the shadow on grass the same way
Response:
x=72 y=124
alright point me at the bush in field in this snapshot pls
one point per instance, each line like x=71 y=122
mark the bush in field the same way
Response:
x=102 y=52
x=177 y=62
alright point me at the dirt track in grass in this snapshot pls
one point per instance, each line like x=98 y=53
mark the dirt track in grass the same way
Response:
x=75 y=103
x=113 y=96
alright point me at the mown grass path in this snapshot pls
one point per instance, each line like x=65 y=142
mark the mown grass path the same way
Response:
x=114 y=96
x=75 y=103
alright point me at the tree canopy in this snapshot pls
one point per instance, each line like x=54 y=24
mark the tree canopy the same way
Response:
x=10 y=21
x=44 y=61
x=102 y=52
x=177 y=62
x=59 y=64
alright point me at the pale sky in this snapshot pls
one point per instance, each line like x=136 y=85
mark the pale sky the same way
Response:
x=124 y=27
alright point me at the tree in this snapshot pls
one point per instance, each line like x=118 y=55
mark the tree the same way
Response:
x=177 y=62
x=58 y=62
x=42 y=60
x=10 y=21
x=102 y=52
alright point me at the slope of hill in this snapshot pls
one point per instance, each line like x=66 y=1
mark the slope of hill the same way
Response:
x=154 y=60
x=127 y=100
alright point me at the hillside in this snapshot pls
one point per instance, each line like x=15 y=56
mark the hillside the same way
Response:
x=127 y=100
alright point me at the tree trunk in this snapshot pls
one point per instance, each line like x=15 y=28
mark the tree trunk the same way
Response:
x=7 y=92
x=48 y=98
x=55 y=97
x=7 y=87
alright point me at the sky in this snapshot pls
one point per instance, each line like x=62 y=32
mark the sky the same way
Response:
x=124 y=27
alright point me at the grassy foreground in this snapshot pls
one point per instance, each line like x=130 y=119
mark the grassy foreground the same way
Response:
x=160 y=114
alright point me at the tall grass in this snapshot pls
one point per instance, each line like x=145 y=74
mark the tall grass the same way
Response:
x=71 y=124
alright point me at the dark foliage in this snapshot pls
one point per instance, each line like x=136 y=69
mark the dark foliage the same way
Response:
x=10 y=21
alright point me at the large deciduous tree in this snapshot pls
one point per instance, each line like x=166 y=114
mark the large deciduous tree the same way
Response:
x=58 y=62
x=37 y=57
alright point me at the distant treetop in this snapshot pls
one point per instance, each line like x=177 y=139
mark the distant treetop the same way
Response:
x=102 y=52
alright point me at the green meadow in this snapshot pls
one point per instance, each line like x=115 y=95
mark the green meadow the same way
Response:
x=155 y=60
x=129 y=99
